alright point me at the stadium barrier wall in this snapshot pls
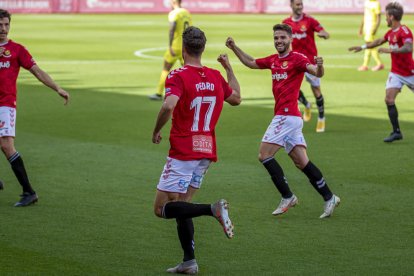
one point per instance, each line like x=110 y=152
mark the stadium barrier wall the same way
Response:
x=195 y=6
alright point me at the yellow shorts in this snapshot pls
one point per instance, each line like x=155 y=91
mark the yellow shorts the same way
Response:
x=172 y=59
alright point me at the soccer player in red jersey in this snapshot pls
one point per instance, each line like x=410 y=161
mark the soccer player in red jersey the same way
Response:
x=194 y=96
x=400 y=39
x=285 y=130
x=12 y=57
x=303 y=29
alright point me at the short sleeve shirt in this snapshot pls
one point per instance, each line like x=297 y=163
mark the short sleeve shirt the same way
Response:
x=182 y=19
x=372 y=9
x=12 y=57
x=201 y=93
x=303 y=34
x=401 y=63
x=287 y=76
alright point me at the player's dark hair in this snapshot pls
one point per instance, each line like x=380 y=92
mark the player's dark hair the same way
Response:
x=5 y=14
x=283 y=27
x=395 y=9
x=194 y=41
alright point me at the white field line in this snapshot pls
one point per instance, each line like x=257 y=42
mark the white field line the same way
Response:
x=145 y=54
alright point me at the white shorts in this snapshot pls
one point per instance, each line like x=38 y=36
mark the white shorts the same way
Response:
x=397 y=81
x=285 y=131
x=7 y=121
x=314 y=81
x=178 y=175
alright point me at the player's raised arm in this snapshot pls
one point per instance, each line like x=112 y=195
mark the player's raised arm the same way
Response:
x=369 y=45
x=243 y=57
x=234 y=98
x=44 y=77
x=316 y=70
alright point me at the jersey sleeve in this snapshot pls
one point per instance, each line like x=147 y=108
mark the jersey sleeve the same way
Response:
x=264 y=63
x=173 y=85
x=387 y=35
x=172 y=16
x=406 y=35
x=316 y=25
x=302 y=63
x=377 y=8
x=25 y=59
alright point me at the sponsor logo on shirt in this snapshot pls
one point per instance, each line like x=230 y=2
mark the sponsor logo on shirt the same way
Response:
x=299 y=36
x=5 y=53
x=202 y=74
x=279 y=77
x=202 y=143
x=4 y=64
x=204 y=86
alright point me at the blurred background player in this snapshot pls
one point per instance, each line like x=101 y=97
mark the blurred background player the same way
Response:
x=12 y=57
x=179 y=19
x=194 y=98
x=285 y=130
x=400 y=39
x=369 y=27
x=303 y=29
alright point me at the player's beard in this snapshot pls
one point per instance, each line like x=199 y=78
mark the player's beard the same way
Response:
x=282 y=48
x=3 y=37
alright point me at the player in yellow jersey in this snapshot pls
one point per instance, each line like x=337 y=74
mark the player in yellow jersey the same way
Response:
x=369 y=27
x=179 y=19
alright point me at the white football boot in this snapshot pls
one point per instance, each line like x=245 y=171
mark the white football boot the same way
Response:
x=330 y=206
x=285 y=204
x=188 y=267
x=221 y=213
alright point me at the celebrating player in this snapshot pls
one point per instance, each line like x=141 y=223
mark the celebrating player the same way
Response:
x=179 y=19
x=12 y=57
x=369 y=26
x=303 y=29
x=285 y=130
x=194 y=97
x=400 y=40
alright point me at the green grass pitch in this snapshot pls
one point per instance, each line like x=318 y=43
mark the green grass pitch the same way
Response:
x=95 y=168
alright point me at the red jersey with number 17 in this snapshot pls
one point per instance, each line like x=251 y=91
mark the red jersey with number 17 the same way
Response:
x=201 y=92
x=287 y=76
x=402 y=63
x=12 y=57
x=303 y=34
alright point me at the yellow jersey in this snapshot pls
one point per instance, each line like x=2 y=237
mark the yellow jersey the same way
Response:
x=182 y=19
x=371 y=13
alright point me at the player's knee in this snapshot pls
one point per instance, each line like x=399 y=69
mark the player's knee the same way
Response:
x=261 y=157
x=264 y=156
x=389 y=100
x=7 y=149
x=158 y=211
x=300 y=165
